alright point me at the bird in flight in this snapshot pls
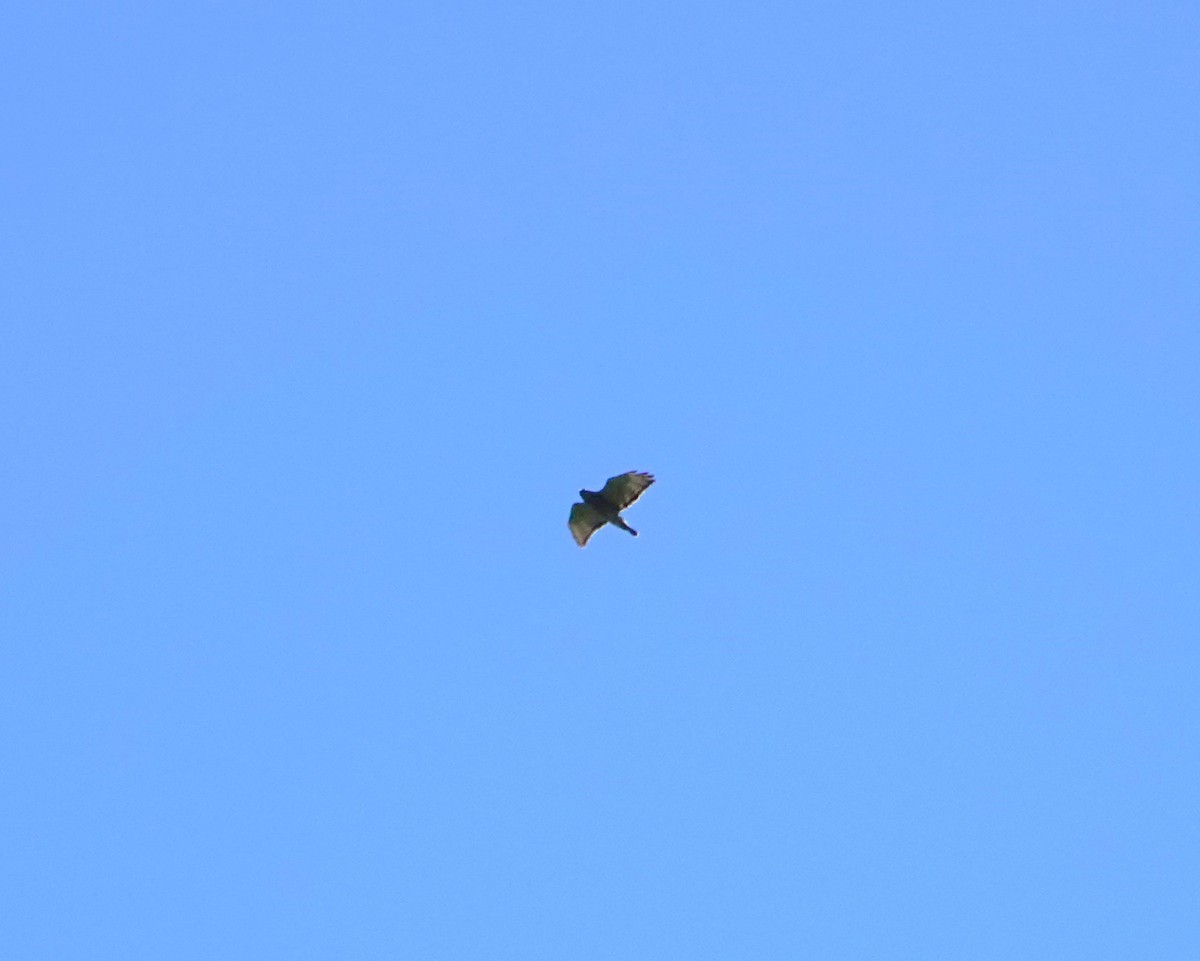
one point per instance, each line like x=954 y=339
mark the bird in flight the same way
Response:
x=605 y=505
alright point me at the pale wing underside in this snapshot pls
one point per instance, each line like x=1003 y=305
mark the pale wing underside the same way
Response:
x=624 y=489
x=584 y=522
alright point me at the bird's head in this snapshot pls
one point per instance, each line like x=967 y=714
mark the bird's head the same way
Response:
x=583 y=494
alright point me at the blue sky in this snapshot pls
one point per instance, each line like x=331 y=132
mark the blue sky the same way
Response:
x=316 y=317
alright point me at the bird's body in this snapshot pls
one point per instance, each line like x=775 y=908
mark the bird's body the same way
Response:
x=604 y=506
x=611 y=514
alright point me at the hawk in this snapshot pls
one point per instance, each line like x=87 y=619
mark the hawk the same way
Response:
x=605 y=506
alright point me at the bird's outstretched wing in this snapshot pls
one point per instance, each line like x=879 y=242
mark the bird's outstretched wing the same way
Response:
x=585 y=521
x=624 y=489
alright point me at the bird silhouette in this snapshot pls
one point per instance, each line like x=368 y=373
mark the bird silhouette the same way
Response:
x=605 y=505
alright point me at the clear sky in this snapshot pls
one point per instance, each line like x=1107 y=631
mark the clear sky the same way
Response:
x=315 y=317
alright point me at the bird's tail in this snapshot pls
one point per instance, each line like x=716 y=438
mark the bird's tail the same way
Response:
x=619 y=521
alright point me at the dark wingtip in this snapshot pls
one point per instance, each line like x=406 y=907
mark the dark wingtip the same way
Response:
x=633 y=532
